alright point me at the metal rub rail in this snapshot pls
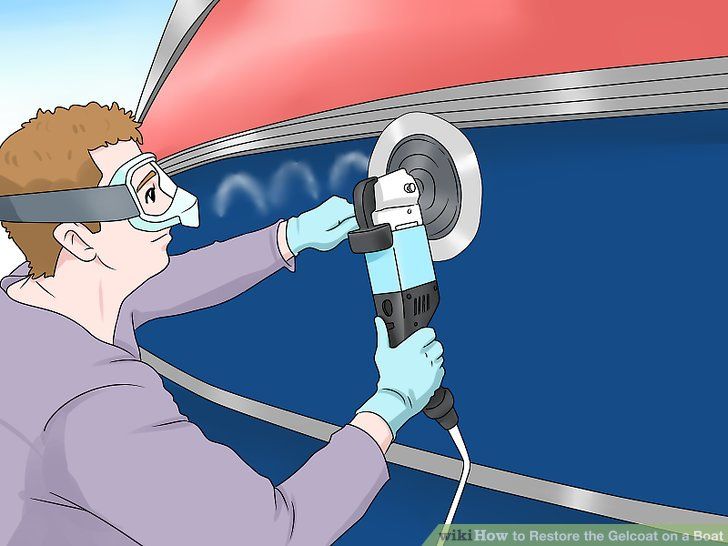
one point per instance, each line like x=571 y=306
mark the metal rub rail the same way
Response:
x=611 y=506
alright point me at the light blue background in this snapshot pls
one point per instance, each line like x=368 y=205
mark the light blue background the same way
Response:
x=63 y=53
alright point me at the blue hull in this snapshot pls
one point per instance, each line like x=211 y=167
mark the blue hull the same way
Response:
x=585 y=326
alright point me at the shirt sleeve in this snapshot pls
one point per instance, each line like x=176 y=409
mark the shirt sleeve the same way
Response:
x=131 y=459
x=209 y=276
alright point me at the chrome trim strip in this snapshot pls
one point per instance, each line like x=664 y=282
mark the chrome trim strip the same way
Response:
x=594 y=502
x=186 y=18
x=637 y=90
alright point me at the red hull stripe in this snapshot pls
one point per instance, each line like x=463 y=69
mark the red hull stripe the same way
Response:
x=260 y=62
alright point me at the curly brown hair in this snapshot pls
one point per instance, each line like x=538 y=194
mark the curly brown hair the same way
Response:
x=51 y=152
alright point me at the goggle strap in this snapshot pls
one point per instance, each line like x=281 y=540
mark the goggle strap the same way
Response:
x=104 y=204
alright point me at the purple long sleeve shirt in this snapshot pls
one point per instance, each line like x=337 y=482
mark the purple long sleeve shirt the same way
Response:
x=93 y=449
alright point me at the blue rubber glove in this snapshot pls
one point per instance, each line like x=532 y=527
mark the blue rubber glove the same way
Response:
x=321 y=228
x=409 y=374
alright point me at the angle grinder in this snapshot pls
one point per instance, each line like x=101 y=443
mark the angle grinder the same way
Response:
x=421 y=204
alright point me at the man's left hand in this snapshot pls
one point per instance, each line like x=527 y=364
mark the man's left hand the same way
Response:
x=321 y=228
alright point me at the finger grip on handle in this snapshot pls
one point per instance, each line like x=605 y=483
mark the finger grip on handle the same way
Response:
x=404 y=312
x=441 y=408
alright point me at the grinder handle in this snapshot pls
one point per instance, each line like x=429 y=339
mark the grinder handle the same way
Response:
x=369 y=237
x=441 y=406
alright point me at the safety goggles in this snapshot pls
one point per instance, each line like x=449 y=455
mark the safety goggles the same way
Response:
x=139 y=191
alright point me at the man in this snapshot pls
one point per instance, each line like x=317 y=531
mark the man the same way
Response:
x=94 y=449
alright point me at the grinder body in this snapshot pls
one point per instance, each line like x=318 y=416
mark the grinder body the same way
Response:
x=393 y=239
x=403 y=283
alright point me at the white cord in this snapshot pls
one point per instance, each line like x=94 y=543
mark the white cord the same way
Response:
x=460 y=445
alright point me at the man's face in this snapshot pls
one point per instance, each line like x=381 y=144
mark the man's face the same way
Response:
x=137 y=255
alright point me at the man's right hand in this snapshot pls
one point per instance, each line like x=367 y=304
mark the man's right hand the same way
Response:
x=408 y=375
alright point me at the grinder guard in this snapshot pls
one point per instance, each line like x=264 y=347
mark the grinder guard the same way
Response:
x=442 y=162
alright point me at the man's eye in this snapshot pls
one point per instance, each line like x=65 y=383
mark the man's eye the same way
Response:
x=150 y=195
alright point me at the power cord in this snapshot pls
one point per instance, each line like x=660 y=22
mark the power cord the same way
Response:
x=441 y=408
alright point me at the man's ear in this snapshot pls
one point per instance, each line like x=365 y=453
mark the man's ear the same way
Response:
x=75 y=239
